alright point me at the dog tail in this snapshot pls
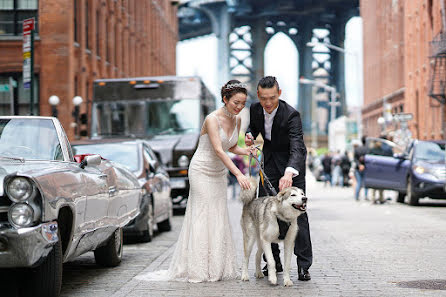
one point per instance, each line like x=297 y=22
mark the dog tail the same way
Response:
x=248 y=195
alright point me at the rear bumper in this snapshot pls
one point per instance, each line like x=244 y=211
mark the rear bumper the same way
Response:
x=26 y=247
x=179 y=191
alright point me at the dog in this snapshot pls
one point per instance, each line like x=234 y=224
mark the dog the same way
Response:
x=259 y=223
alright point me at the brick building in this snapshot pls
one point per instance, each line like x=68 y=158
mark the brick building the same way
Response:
x=399 y=64
x=78 y=41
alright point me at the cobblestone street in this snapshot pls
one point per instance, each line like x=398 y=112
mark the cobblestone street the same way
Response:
x=359 y=249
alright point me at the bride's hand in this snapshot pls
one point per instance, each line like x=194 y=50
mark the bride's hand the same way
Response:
x=251 y=150
x=244 y=182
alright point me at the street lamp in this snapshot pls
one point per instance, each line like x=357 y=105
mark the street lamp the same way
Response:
x=77 y=101
x=54 y=101
x=328 y=88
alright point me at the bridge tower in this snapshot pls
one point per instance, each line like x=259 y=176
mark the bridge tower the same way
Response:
x=244 y=27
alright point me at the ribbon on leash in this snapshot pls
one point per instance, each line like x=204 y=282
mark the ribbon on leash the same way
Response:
x=263 y=178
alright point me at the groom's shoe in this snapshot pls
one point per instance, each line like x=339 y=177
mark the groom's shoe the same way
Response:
x=304 y=275
x=278 y=269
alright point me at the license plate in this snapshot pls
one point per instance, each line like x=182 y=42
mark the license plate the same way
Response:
x=177 y=183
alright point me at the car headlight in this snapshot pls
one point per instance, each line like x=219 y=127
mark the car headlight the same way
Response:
x=183 y=161
x=19 y=189
x=419 y=169
x=21 y=215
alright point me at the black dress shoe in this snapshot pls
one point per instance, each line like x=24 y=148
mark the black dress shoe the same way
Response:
x=304 y=275
x=278 y=269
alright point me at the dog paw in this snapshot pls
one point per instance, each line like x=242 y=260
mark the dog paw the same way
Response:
x=273 y=280
x=259 y=274
x=245 y=277
x=287 y=283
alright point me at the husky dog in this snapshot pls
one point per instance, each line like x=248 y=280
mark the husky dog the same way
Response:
x=259 y=223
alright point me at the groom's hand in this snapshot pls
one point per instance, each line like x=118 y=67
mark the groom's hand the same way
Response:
x=249 y=140
x=286 y=181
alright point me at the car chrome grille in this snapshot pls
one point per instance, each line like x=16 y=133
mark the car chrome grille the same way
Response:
x=441 y=173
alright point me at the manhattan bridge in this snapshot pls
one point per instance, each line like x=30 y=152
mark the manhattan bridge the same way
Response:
x=244 y=27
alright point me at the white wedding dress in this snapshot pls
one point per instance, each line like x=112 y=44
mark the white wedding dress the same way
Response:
x=205 y=250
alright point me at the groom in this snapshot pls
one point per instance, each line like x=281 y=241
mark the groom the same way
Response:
x=284 y=159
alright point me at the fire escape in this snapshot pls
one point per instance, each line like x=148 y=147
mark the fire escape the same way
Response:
x=437 y=88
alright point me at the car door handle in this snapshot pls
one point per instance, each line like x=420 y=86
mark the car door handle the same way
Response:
x=103 y=176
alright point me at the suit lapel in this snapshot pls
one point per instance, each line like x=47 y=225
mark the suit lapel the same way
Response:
x=261 y=121
x=276 y=122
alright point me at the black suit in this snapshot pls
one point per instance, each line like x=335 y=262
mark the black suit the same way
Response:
x=286 y=149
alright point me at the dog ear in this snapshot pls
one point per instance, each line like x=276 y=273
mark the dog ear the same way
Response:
x=283 y=194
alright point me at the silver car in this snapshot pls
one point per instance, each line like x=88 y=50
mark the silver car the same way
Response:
x=53 y=208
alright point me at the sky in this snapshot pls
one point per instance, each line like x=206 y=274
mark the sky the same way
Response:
x=199 y=57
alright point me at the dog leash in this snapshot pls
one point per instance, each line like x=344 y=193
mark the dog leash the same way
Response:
x=263 y=178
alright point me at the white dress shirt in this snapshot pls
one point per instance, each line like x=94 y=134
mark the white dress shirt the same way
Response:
x=269 y=119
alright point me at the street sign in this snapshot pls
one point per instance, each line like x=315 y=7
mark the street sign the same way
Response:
x=403 y=117
x=4 y=88
x=28 y=27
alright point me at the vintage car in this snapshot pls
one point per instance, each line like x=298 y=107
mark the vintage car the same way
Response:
x=138 y=157
x=52 y=208
x=416 y=172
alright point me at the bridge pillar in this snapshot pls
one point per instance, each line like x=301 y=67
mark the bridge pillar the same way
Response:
x=305 y=69
x=221 y=27
x=337 y=36
x=259 y=40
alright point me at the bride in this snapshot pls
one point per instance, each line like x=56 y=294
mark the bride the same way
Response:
x=205 y=250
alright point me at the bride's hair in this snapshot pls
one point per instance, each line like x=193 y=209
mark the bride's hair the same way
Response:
x=233 y=87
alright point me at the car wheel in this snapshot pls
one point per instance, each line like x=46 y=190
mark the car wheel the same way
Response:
x=110 y=255
x=46 y=279
x=148 y=233
x=400 y=197
x=411 y=196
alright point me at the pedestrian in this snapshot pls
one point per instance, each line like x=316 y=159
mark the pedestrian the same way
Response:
x=336 y=172
x=359 y=153
x=345 y=168
x=284 y=161
x=326 y=168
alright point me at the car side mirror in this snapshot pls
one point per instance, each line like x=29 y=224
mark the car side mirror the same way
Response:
x=401 y=156
x=92 y=160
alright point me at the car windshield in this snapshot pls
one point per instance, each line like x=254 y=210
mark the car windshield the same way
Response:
x=29 y=139
x=124 y=154
x=430 y=151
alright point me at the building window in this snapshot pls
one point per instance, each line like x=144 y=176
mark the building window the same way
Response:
x=87 y=21
x=76 y=20
x=14 y=99
x=12 y=14
x=98 y=27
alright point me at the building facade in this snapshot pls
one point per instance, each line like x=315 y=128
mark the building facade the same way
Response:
x=78 y=41
x=399 y=65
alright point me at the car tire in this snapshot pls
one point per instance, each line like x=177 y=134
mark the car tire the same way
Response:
x=46 y=279
x=400 y=197
x=110 y=255
x=411 y=196
x=147 y=234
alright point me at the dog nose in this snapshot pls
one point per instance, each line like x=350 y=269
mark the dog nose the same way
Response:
x=304 y=199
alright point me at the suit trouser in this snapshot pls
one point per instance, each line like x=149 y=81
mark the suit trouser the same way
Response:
x=302 y=245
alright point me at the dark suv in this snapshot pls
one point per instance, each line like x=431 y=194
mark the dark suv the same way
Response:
x=416 y=172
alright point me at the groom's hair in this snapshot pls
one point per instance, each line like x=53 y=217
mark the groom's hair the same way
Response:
x=268 y=82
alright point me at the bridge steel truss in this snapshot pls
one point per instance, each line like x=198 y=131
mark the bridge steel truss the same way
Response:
x=243 y=29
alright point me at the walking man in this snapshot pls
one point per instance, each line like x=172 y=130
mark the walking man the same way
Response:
x=284 y=157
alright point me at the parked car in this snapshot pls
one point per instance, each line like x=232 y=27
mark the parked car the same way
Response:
x=53 y=209
x=417 y=171
x=137 y=156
